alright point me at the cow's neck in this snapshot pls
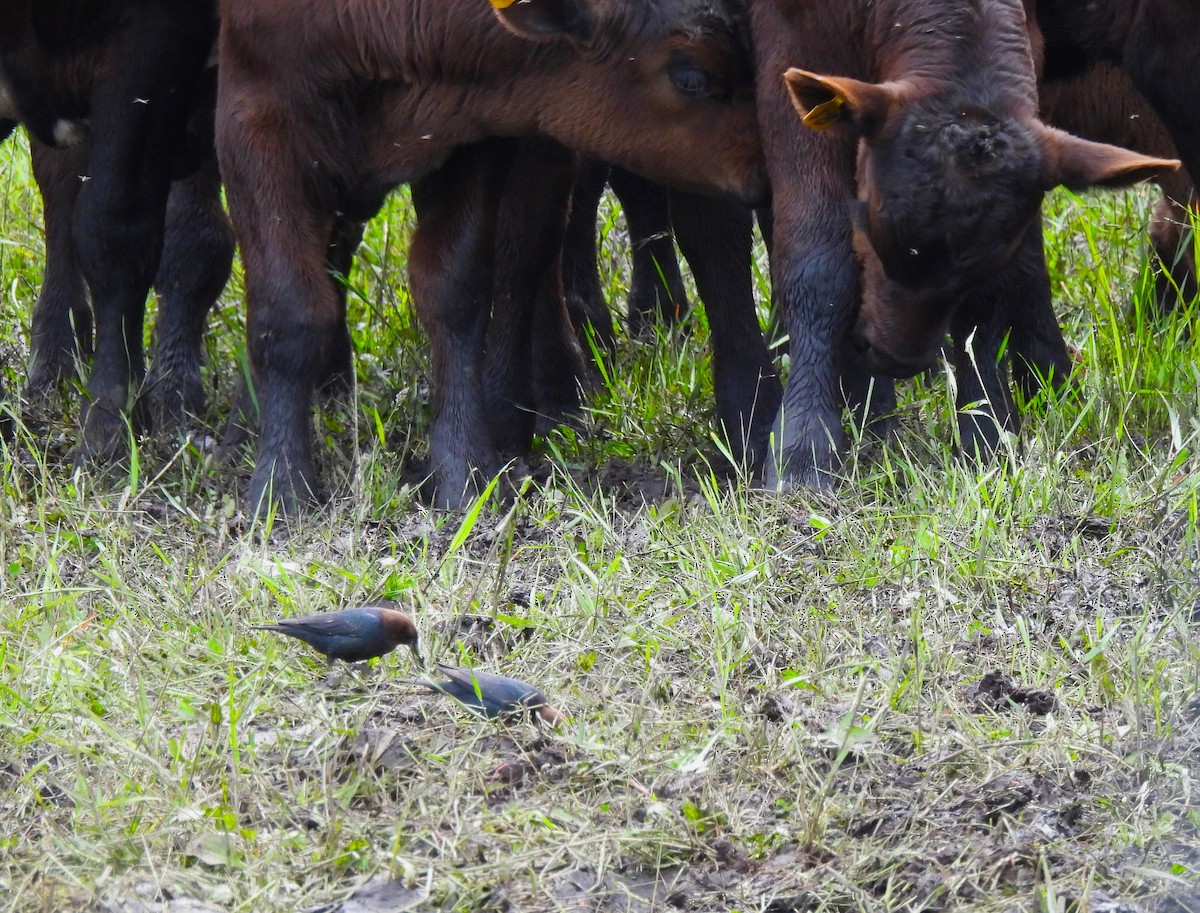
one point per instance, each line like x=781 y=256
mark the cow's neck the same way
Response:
x=978 y=48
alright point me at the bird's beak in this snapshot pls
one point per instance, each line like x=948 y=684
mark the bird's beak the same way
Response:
x=415 y=646
x=549 y=714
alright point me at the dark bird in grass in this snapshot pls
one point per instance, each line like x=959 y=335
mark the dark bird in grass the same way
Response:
x=492 y=695
x=353 y=635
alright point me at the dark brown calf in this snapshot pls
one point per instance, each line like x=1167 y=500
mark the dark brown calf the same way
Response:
x=1155 y=42
x=917 y=162
x=325 y=107
x=119 y=78
x=196 y=257
x=1102 y=103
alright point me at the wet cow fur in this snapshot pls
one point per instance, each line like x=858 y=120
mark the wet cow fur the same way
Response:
x=322 y=109
x=120 y=80
x=908 y=177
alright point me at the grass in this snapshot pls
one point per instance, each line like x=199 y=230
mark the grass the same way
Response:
x=776 y=703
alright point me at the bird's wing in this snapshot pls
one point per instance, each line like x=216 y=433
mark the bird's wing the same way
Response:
x=468 y=680
x=328 y=623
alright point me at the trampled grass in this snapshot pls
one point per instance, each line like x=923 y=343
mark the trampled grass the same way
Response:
x=939 y=689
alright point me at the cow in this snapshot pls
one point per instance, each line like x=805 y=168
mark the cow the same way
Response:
x=120 y=79
x=197 y=253
x=1156 y=43
x=907 y=163
x=323 y=108
x=1103 y=103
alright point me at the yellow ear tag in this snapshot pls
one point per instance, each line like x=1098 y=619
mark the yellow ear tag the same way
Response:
x=824 y=115
x=502 y=4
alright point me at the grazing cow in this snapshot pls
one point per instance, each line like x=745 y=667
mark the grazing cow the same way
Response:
x=120 y=79
x=907 y=152
x=323 y=108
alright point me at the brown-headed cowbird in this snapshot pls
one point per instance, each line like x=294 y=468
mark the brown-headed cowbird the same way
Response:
x=354 y=634
x=492 y=695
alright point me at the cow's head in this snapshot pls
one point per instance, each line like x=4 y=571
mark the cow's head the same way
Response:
x=946 y=191
x=662 y=87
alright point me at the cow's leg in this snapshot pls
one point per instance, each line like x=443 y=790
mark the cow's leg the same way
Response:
x=294 y=315
x=533 y=360
x=1039 y=353
x=580 y=268
x=347 y=235
x=715 y=238
x=656 y=289
x=118 y=237
x=1017 y=294
x=816 y=289
x=62 y=317
x=984 y=400
x=196 y=259
x=244 y=418
x=138 y=127
x=450 y=271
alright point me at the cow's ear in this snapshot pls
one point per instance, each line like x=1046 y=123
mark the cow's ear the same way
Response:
x=546 y=20
x=827 y=102
x=1078 y=163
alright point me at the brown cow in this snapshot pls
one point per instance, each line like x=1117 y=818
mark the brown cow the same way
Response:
x=1156 y=43
x=120 y=79
x=324 y=107
x=1102 y=103
x=916 y=160
x=197 y=253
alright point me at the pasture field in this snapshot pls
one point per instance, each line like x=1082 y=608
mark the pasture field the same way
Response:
x=937 y=689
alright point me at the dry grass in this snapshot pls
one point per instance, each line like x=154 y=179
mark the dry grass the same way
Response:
x=777 y=703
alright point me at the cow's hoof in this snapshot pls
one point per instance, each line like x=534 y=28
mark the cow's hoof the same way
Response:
x=169 y=404
x=801 y=472
x=288 y=489
x=105 y=436
x=455 y=491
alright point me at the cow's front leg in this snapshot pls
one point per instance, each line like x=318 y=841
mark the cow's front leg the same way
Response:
x=196 y=259
x=62 y=318
x=534 y=365
x=715 y=238
x=984 y=400
x=118 y=226
x=656 y=290
x=294 y=315
x=450 y=270
x=1013 y=302
x=1039 y=353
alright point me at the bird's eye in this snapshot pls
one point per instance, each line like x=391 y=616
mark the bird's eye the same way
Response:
x=689 y=80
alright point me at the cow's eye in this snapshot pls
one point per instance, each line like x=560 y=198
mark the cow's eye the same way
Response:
x=689 y=80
